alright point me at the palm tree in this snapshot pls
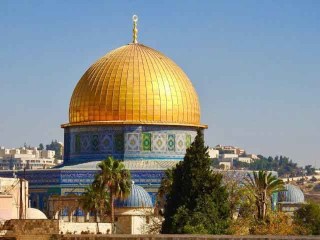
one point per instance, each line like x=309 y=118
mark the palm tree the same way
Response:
x=262 y=185
x=116 y=179
x=95 y=199
x=165 y=187
x=88 y=201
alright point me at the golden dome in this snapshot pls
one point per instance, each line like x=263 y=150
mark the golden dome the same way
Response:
x=134 y=84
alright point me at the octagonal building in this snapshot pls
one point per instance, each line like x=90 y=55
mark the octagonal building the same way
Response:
x=134 y=104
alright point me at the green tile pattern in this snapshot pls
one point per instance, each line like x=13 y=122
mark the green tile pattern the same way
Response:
x=146 y=141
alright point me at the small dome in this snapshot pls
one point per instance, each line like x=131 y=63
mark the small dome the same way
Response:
x=33 y=213
x=293 y=194
x=137 y=198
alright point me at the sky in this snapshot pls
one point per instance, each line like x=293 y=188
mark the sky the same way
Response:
x=255 y=65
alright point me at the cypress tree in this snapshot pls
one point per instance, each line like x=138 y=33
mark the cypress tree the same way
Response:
x=196 y=202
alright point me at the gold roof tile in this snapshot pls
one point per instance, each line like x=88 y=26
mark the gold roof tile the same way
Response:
x=134 y=84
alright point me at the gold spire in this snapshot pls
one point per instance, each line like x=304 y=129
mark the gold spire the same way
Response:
x=135 y=29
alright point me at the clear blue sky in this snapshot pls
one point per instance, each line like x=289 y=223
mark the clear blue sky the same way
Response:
x=255 y=65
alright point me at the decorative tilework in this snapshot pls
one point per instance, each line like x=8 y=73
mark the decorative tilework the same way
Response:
x=188 y=140
x=67 y=142
x=72 y=145
x=58 y=181
x=78 y=144
x=106 y=143
x=118 y=142
x=132 y=142
x=159 y=142
x=85 y=143
x=171 y=142
x=180 y=146
x=168 y=143
x=146 y=141
x=95 y=143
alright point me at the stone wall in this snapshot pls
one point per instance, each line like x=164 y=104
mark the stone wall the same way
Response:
x=183 y=237
x=123 y=225
x=32 y=226
x=51 y=227
x=72 y=227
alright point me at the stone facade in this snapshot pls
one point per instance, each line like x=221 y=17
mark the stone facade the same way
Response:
x=44 y=183
x=44 y=229
x=51 y=229
x=185 y=237
x=13 y=198
x=73 y=180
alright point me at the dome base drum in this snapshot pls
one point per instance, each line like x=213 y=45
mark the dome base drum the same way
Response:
x=130 y=142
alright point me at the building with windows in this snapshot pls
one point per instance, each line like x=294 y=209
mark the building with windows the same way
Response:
x=230 y=149
x=23 y=158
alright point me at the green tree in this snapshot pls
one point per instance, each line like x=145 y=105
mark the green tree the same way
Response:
x=41 y=147
x=282 y=165
x=215 y=163
x=239 y=198
x=95 y=199
x=261 y=185
x=196 y=202
x=309 y=170
x=240 y=165
x=308 y=216
x=117 y=179
x=165 y=187
x=57 y=147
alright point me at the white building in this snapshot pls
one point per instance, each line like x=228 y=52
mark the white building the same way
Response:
x=231 y=153
x=253 y=156
x=14 y=194
x=228 y=156
x=20 y=158
x=13 y=198
x=213 y=153
x=245 y=159
x=230 y=149
x=226 y=163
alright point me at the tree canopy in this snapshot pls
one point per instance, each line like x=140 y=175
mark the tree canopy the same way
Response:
x=55 y=146
x=112 y=182
x=116 y=178
x=262 y=185
x=282 y=164
x=196 y=202
x=95 y=199
x=308 y=216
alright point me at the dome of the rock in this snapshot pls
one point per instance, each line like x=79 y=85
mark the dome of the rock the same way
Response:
x=134 y=84
x=135 y=104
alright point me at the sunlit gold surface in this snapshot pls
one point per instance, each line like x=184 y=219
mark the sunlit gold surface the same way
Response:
x=135 y=29
x=134 y=84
